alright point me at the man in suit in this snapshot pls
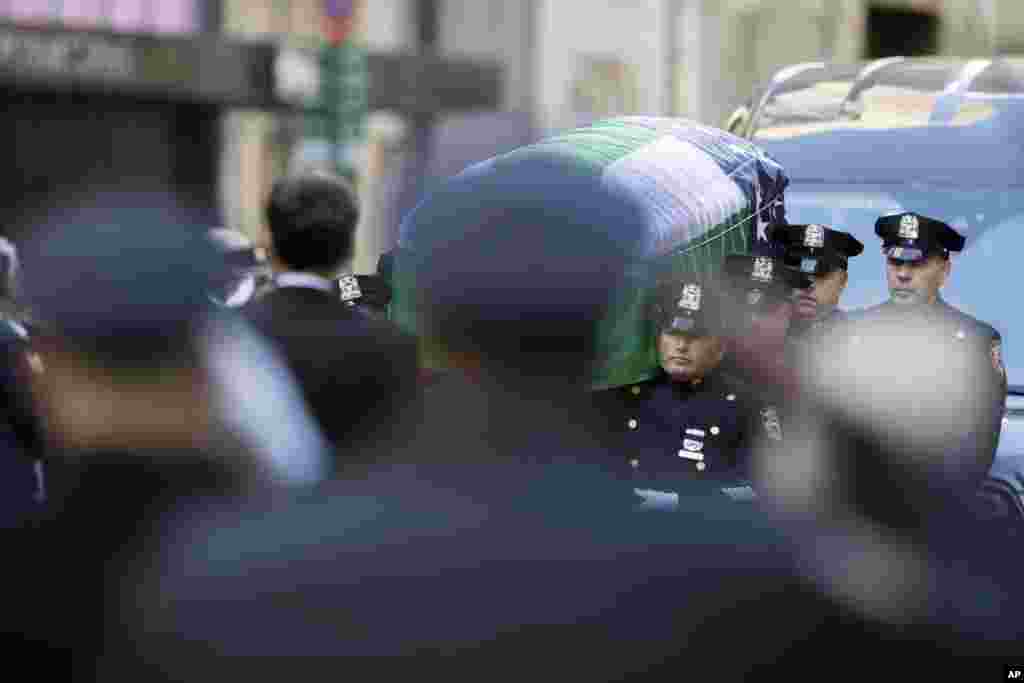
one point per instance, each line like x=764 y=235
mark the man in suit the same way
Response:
x=357 y=373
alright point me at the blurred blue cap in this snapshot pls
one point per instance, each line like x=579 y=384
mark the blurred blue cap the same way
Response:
x=122 y=275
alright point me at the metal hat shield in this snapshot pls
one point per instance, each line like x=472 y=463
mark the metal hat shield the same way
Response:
x=909 y=227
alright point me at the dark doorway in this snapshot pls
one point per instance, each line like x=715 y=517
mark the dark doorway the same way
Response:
x=897 y=32
x=57 y=143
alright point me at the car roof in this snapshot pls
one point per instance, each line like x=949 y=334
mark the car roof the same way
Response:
x=932 y=121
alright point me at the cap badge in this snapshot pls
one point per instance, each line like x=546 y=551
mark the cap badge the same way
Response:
x=814 y=236
x=754 y=297
x=762 y=271
x=808 y=265
x=349 y=288
x=909 y=227
x=690 y=300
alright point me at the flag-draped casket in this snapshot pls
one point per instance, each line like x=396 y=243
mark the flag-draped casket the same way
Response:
x=705 y=194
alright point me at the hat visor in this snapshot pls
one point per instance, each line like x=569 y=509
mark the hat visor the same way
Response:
x=908 y=254
x=685 y=325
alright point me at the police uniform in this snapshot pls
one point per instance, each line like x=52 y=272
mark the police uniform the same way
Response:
x=912 y=237
x=674 y=433
x=759 y=284
x=815 y=250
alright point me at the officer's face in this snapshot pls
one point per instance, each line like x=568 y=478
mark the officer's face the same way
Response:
x=688 y=357
x=770 y=324
x=824 y=292
x=914 y=282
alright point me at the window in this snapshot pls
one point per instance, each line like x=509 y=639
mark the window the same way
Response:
x=125 y=16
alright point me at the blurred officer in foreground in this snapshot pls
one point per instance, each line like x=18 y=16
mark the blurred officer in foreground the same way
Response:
x=823 y=255
x=691 y=422
x=917 y=249
x=357 y=373
x=140 y=391
x=876 y=490
x=21 y=433
x=504 y=539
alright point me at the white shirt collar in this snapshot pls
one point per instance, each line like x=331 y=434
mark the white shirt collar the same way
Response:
x=305 y=281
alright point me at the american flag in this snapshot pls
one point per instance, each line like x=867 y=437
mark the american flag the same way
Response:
x=339 y=19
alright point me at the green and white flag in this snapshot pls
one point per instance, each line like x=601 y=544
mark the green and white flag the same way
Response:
x=706 y=193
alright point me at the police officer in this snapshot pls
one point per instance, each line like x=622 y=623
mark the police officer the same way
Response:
x=917 y=249
x=823 y=255
x=691 y=424
x=760 y=289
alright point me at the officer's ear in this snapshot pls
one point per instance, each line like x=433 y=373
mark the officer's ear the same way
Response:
x=844 y=278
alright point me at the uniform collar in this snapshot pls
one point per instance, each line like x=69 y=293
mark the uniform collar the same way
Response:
x=708 y=382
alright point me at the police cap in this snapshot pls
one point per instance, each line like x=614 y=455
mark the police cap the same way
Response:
x=124 y=277
x=761 y=280
x=687 y=304
x=816 y=249
x=910 y=236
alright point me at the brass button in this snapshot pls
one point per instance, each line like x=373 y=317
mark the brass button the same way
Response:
x=634 y=463
x=635 y=390
x=700 y=466
x=715 y=431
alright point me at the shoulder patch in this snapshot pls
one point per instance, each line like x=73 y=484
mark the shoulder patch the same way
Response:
x=997 y=357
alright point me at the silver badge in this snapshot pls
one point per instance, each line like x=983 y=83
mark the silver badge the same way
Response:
x=762 y=271
x=695 y=432
x=690 y=300
x=814 y=236
x=349 y=287
x=692 y=445
x=909 y=227
x=754 y=297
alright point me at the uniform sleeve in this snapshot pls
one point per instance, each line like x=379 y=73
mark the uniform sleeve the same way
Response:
x=761 y=427
x=993 y=397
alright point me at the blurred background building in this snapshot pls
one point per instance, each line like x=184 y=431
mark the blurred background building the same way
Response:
x=217 y=98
